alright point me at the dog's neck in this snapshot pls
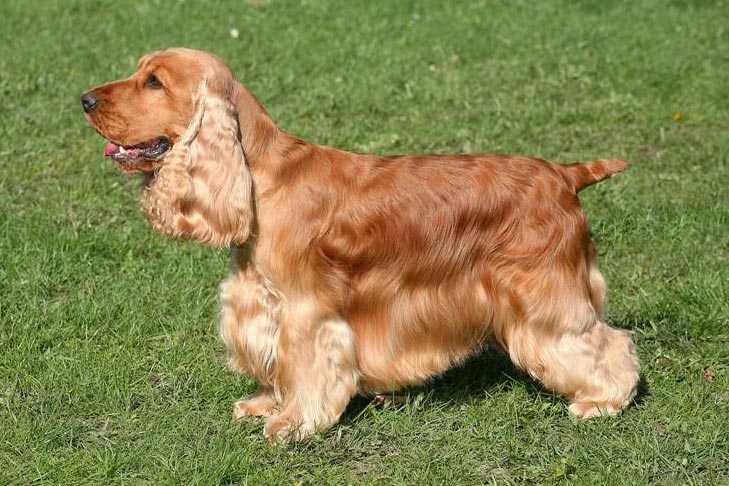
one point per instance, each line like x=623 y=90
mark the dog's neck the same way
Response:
x=257 y=130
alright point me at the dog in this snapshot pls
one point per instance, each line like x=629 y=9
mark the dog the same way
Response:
x=361 y=274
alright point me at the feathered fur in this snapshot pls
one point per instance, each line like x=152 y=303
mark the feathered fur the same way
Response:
x=356 y=273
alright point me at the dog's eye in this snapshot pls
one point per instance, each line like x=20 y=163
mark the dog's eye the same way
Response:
x=152 y=82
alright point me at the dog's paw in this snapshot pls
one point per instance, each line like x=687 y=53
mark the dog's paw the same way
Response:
x=255 y=406
x=588 y=410
x=283 y=429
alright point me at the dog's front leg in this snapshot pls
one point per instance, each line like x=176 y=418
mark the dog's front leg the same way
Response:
x=261 y=404
x=316 y=373
x=249 y=328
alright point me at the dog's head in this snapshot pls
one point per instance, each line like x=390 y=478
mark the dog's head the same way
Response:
x=144 y=115
x=175 y=121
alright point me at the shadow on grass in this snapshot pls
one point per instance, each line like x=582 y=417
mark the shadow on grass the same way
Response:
x=490 y=371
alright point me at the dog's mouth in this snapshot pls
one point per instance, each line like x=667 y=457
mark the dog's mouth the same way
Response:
x=133 y=157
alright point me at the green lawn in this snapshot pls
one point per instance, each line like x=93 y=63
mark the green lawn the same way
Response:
x=110 y=368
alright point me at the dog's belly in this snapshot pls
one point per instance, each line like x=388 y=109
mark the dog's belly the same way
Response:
x=406 y=335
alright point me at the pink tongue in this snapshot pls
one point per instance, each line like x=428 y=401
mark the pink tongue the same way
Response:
x=110 y=149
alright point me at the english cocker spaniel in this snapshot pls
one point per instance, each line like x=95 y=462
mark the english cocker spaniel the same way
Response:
x=356 y=273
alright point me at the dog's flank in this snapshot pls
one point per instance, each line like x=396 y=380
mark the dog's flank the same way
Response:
x=355 y=273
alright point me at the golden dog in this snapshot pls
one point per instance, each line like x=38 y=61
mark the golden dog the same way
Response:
x=357 y=273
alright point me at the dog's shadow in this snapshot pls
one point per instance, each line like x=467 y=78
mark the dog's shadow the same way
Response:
x=490 y=371
x=486 y=372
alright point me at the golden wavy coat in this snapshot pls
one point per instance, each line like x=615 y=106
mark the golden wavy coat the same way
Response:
x=356 y=273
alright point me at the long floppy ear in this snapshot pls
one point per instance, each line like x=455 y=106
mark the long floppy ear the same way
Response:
x=204 y=190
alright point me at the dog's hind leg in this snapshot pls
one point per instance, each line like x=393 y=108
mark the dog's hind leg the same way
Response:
x=597 y=370
x=563 y=343
x=604 y=358
x=598 y=287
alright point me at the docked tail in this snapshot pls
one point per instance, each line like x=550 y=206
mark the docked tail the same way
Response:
x=581 y=175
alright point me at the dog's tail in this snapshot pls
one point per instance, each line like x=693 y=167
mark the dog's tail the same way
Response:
x=581 y=175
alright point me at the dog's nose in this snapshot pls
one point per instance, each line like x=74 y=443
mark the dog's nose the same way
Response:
x=89 y=101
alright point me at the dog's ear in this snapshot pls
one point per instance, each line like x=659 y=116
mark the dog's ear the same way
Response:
x=204 y=190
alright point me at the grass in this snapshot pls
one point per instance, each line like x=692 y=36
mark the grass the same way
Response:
x=110 y=369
